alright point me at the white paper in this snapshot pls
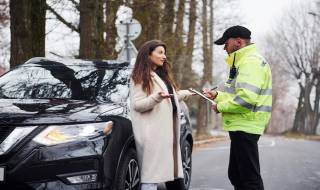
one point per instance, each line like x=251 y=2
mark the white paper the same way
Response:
x=202 y=95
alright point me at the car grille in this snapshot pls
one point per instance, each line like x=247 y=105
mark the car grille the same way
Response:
x=4 y=132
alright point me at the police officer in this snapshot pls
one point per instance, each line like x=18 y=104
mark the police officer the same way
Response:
x=245 y=105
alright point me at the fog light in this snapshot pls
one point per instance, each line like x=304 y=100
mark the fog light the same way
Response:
x=83 y=178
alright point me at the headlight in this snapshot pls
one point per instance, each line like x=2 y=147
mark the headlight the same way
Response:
x=66 y=133
x=14 y=138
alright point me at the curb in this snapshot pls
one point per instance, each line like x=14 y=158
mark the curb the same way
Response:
x=207 y=141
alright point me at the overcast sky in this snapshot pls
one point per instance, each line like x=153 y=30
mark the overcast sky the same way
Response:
x=262 y=15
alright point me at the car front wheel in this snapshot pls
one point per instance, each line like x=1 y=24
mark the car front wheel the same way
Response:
x=128 y=177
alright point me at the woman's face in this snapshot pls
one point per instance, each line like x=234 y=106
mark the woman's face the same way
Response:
x=158 y=56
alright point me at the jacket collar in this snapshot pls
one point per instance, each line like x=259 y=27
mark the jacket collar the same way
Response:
x=158 y=80
x=239 y=54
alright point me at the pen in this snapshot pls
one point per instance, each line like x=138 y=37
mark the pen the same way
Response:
x=214 y=88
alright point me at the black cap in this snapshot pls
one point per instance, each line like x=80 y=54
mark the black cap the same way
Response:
x=234 y=32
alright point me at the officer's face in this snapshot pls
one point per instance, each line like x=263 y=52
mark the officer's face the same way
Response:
x=232 y=45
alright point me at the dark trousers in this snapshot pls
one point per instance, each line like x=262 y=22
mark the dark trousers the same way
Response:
x=244 y=166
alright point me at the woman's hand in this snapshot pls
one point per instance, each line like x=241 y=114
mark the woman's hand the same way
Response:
x=165 y=95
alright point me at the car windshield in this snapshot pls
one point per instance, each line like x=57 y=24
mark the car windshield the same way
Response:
x=55 y=80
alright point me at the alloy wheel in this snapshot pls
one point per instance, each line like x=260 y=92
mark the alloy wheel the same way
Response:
x=132 y=176
x=187 y=165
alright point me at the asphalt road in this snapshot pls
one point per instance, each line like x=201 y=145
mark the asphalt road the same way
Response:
x=286 y=164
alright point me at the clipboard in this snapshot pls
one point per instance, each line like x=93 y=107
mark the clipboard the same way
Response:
x=202 y=95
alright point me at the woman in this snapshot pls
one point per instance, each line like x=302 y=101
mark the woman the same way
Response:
x=154 y=113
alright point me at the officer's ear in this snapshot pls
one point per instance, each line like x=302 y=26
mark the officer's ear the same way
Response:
x=240 y=42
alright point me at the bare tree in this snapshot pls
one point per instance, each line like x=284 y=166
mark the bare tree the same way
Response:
x=283 y=104
x=211 y=30
x=178 y=50
x=299 y=48
x=51 y=9
x=207 y=71
x=91 y=26
x=27 y=34
x=188 y=74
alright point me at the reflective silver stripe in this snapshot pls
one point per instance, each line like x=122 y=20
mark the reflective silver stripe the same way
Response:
x=266 y=91
x=232 y=81
x=254 y=89
x=230 y=90
x=251 y=107
x=263 y=108
x=243 y=103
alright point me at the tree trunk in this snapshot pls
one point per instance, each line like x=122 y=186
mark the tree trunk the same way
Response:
x=306 y=118
x=201 y=118
x=307 y=107
x=188 y=75
x=91 y=29
x=99 y=43
x=27 y=34
x=38 y=17
x=167 y=18
x=110 y=42
x=299 y=112
x=207 y=73
x=211 y=36
x=148 y=14
x=317 y=103
x=166 y=29
x=178 y=58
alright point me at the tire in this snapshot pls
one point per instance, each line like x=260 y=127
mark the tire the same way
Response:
x=128 y=175
x=183 y=184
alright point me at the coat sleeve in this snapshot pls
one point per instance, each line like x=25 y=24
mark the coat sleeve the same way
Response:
x=183 y=94
x=142 y=102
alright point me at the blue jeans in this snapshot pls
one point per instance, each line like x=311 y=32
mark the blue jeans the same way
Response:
x=149 y=186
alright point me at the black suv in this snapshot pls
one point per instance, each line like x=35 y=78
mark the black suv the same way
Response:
x=64 y=124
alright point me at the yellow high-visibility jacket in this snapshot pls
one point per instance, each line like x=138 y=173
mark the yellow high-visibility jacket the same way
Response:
x=246 y=101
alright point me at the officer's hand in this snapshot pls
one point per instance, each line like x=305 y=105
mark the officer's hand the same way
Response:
x=210 y=94
x=214 y=107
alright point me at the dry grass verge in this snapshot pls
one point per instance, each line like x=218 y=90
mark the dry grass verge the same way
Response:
x=296 y=135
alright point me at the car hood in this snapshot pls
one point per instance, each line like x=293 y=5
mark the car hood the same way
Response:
x=53 y=111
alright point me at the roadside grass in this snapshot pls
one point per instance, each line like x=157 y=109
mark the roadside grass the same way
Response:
x=203 y=137
x=205 y=140
x=297 y=135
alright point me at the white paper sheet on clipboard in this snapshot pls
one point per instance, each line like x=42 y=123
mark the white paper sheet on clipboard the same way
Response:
x=202 y=95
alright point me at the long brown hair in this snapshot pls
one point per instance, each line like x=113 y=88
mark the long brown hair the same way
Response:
x=141 y=73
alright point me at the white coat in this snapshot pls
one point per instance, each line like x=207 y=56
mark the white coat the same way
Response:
x=153 y=124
